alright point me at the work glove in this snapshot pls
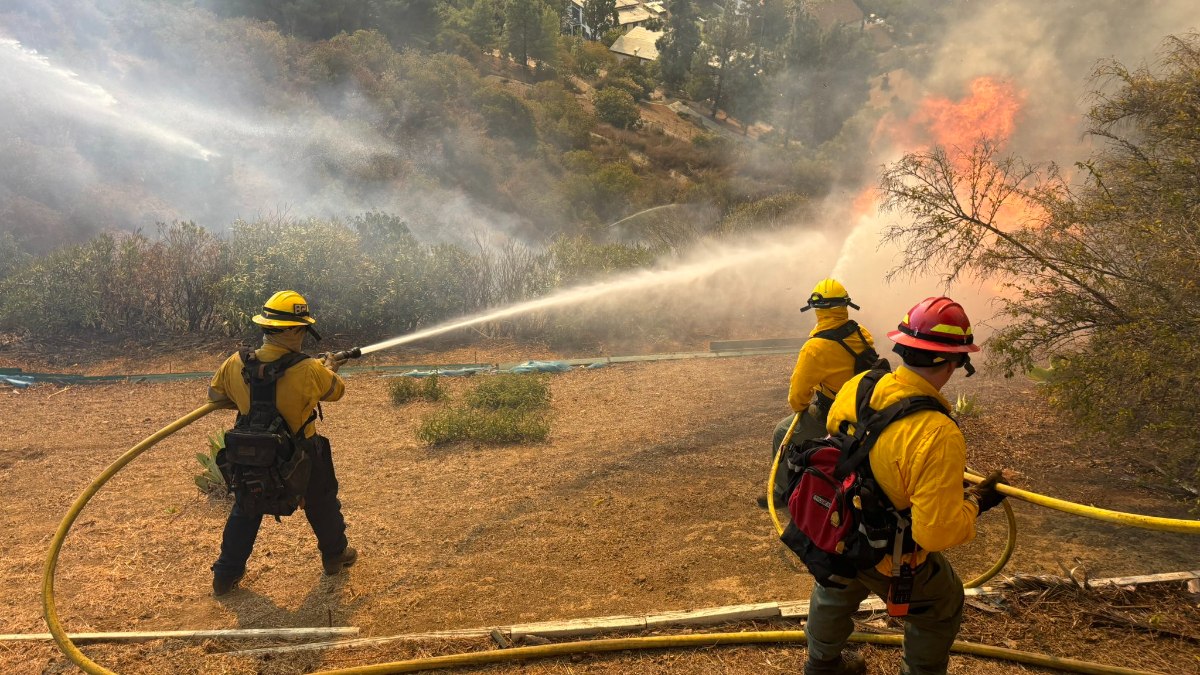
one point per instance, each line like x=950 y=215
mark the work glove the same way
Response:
x=985 y=495
x=331 y=363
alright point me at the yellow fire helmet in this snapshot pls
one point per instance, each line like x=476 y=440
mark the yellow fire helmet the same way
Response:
x=828 y=293
x=286 y=309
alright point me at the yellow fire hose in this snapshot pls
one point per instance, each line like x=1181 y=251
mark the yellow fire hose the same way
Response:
x=707 y=640
x=657 y=642
x=48 y=610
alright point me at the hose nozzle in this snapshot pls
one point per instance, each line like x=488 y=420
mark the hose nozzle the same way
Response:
x=348 y=354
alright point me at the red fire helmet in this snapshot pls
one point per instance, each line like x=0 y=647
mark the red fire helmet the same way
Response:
x=937 y=325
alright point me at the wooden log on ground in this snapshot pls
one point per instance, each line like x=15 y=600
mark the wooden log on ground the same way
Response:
x=225 y=634
x=711 y=615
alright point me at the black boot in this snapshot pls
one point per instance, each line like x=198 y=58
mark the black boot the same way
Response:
x=340 y=561
x=846 y=663
x=223 y=585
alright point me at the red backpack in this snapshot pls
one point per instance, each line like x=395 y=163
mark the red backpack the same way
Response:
x=842 y=522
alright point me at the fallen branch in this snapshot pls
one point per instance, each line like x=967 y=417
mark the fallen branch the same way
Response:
x=1193 y=491
x=1114 y=618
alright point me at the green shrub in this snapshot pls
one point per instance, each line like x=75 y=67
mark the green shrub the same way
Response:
x=966 y=406
x=506 y=408
x=210 y=481
x=591 y=57
x=511 y=426
x=624 y=84
x=579 y=259
x=407 y=389
x=504 y=425
x=514 y=392
x=772 y=212
x=507 y=116
x=616 y=107
x=446 y=425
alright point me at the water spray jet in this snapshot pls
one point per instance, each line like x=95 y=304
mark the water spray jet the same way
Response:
x=637 y=281
x=635 y=215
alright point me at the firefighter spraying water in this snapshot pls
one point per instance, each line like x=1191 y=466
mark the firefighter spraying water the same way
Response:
x=274 y=461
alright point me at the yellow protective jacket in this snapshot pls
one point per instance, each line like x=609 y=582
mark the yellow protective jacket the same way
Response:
x=918 y=461
x=823 y=365
x=296 y=394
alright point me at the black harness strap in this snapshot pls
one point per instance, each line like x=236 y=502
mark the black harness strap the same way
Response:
x=870 y=423
x=262 y=378
x=842 y=332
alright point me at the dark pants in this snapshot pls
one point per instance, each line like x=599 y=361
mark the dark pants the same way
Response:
x=321 y=507
x=929 y=629
x=811 y=425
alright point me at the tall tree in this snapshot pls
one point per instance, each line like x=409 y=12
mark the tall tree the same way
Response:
x=728 y=34
x=823 y=82
x=678 y=44
x=600 y=16
x=745 y=90
x=484 y=20
x=798 y=53
x=768 y=26
x=404 y=21
x=308 y=18
x=525 y=29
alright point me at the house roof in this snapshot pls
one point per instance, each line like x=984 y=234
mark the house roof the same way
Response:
x=626 y=4
x=638 y=42
x=635 y=15
x=830 y=13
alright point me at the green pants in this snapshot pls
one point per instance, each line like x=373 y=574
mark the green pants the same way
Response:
x=809 y=426
x=929 y=629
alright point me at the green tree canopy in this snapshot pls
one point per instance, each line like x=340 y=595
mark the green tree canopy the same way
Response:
x=530 y=30
x=616 y=107
x=600 y=16
x=679 y=43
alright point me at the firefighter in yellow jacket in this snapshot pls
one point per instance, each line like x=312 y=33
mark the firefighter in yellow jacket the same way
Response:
x=837 y=348
x=285 y=321
x=918 y=461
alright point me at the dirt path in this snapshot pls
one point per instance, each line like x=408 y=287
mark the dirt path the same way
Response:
x=641 y=500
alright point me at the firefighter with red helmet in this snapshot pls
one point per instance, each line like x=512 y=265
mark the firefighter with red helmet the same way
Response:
x=837 y=348
x=918 y=462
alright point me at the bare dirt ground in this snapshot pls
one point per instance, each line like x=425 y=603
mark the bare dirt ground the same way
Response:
x=642 y=500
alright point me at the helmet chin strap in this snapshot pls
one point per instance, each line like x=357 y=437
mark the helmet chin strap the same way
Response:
x=811 y=306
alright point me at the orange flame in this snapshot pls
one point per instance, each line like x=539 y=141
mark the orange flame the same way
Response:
x=865 y=203
x=990 y=110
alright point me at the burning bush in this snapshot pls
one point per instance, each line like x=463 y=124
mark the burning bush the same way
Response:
x=1103 y=273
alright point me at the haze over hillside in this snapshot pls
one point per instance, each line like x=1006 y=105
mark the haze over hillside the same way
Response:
x=126 y=113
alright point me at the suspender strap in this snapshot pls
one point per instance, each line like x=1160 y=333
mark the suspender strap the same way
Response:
x=842 y=332
x=871 y=423
x=262 y=378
